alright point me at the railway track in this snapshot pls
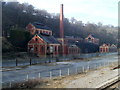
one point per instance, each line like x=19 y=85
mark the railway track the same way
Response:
x=112 y=84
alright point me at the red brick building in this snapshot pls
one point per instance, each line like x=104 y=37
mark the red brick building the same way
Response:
x=38 y=28
x=73 y=40
x=104 y=48
x=73 y=49
x=91 y=39
x=113 y=48
x=68 y=47
x=43 y=44
x=108 y=48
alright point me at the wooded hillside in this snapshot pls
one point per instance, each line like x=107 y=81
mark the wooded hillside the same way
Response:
x=19 y=15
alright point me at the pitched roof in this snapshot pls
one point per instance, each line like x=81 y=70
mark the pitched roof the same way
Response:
x=40 y=26
x=91 y=35
x=48 y=38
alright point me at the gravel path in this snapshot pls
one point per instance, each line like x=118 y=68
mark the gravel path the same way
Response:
x=90 y=79
x=93 y=79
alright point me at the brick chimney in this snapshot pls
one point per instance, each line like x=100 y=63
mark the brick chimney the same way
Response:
x=61 y=22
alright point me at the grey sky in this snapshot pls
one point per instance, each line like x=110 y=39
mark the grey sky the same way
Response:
x=94 y=11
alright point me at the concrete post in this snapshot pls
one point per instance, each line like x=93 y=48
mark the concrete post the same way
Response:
x=27 y=77
x=33 y=78
x=39 y=75
x=82 y=68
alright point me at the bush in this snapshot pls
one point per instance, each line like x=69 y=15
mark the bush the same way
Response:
x=6 y=45
x=19 y=39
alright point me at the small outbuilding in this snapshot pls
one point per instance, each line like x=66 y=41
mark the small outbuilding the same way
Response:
x=107 y=48
x=91 y=39
x=104 y=48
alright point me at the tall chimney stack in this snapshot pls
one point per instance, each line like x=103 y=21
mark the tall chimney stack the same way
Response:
x=61 y=22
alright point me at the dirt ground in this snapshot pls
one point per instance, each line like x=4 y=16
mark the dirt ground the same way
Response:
x=90 y=79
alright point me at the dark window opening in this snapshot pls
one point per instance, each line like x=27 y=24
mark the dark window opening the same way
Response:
x=42 y=48
x=47 y=48
x=37 y=32
x=36 y=48
x=89 y=38
x=55 y=48
x=36 y=39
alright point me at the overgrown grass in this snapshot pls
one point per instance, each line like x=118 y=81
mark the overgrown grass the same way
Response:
x=30 y=84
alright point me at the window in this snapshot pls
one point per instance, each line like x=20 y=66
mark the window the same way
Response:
x=42 y=49
x=36 y=39
x=47 y=48
x=37 y=31
x=36 y=48
x=55 y=48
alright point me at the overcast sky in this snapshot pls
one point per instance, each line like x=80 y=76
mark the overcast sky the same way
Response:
x=94 y=11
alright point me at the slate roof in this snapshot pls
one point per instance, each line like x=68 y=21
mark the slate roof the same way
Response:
x=40 y=26
x=48 y=38
x=93 y=35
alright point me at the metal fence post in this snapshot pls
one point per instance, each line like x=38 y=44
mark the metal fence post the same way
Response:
x=99 y=65
x=16 y=62
x=30 y=62
x=104 y=64
x=108 y=63
x=60 y=73
x=50 y=75
x=76 y=70
x=94 y=66
x=10 y=84
x=68 y=71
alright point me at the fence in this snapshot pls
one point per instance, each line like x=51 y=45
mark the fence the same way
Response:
x=59 y=72
x=30 y=61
